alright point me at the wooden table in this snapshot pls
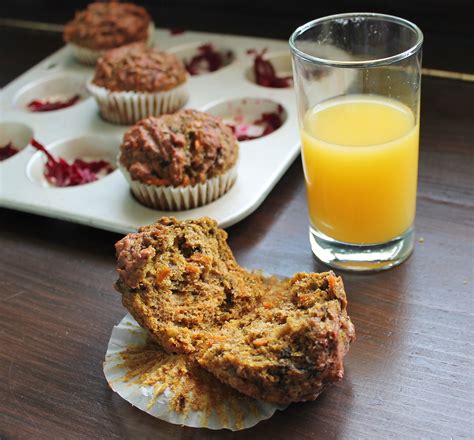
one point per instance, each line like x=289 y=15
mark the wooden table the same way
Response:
x=408 y=375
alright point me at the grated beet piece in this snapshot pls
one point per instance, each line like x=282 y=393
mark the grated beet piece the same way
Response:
x=266 y=124
x=207 y=60
x=44 y=105
x=7 y=151
x=177 y=31
x=265 y=74
x=60 y=173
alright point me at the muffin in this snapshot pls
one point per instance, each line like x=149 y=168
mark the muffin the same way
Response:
x=275 y=340
x=136 y=81
x=290 y=347
x=107 y=25
x=179 y=161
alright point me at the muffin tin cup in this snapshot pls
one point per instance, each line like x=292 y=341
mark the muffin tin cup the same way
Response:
x=170 y=198
x=129 y=107
x=89 y=56
x=57 y=86
x=16 y=134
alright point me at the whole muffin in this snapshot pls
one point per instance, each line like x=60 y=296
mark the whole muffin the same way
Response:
x=179 y=161
x=107 y=25
x=136 y=81
x=138 y=68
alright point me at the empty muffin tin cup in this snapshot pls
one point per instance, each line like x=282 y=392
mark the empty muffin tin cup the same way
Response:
x=194 y=57
x=52 y=87
x=15 y=134
x=88 y=148
x=245 y=116
x=281 y=62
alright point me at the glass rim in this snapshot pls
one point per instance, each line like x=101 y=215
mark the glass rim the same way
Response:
x=357 y=63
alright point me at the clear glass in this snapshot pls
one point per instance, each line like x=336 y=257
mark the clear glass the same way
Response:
x=357 y=80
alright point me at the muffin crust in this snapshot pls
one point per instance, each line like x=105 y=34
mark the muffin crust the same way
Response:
x=105 y=25
x=196 y=275
x=139 y=68
x=181 y=149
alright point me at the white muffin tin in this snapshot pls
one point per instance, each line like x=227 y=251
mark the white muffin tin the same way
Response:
x=78 y=131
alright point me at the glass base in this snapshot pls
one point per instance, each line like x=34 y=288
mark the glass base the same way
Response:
x=361 y=258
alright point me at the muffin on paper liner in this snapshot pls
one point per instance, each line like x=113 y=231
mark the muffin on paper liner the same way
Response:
x=170 y=198
x=89 y=56
x=129 y=107
x=172 y=388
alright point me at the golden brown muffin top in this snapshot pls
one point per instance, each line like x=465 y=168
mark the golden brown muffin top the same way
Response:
x=185 y=148
x=107 y=25
x=138 y=68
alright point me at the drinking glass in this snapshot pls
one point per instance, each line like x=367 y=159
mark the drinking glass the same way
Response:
x=357 y=79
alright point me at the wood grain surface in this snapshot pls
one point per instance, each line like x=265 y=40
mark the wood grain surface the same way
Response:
x=409 y=374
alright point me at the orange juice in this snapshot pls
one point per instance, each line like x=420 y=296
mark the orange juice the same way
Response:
x=360 y=156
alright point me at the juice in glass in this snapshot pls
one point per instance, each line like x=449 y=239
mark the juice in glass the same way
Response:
x=360 y=156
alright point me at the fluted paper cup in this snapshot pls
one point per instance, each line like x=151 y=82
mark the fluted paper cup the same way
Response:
x=130 y=107
x=90 y=56
x=170 y=198
x=172 y=388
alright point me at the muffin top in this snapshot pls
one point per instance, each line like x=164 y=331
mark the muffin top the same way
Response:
x=137 y=67
x=105 y=25
x=181 y=149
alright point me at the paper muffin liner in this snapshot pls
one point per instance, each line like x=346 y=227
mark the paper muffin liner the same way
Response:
x=170 y=198
x=166 y=386
x=129 y=107
x=90 y=56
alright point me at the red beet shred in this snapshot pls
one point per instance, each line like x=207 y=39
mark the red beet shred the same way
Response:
x=265 y=74
x=208 y=59
x=7 y=151
x=266 y=124
x=44 y=105
x=60 y=173
x=177 y=31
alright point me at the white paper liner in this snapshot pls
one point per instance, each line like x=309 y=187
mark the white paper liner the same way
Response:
x=170 y=198
x=90 y=56
x=128 y=334
x=129 y=107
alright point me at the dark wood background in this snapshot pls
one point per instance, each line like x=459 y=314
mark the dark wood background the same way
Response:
x=409 y=375
x=447 y=25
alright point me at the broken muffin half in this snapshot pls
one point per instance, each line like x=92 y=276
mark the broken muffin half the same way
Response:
x=276 y=340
